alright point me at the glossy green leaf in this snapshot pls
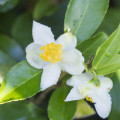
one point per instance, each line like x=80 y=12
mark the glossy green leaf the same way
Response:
x=111 y=21
x=58 y=109
x=11 y=47
x=84 y=16
x=107 y=58
x=21 y=82
x=6 y=63
x=22 y=29
x=90 y=46
x=42 y=7
x=115 y=94
x=21 y=111
x=83 y=110
x=8 y=5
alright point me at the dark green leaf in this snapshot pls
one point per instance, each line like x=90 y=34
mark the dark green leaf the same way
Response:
x=6 y=22
x=20 y=111
x=84 y=16
x=107 y=59
x=22 y=29
x=6 y=63
x=90 y=46
x=115 y=94
x=11 y=47
x=8 y=5
x=42 y=7
x=111 y=21
x=58 y=109
x=21 y=82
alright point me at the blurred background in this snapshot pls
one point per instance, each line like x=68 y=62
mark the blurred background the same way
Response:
x=16 y=18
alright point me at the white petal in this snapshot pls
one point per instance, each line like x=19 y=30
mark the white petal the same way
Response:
x=74 y=95
x=106 y=83
x=33 y=56
x=50 y=76
x=102 y=104
x=42 y=34
x=79 y=80
x=72 y=62
x=67 y=40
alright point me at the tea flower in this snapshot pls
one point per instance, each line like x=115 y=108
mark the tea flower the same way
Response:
x=53 y=56
x=83 y=88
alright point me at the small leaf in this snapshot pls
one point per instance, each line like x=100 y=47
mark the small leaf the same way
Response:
x=58 y=109
x=84 y=16
x=8 y=5
x=6 y=63
x=21 y=82
x=90 y=46
x=115 y=94
x=42 y=7
x=107 y=59
x=83 y=110
x=22 y=29
x=11 y=47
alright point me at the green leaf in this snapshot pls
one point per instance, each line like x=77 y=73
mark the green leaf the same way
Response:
x=84 y=16
x=115 y=94
x=90 y=46
x=22 y=29
x=107 y=59
x=6 y=63
x=58 y=109
x=42 y=7
x=111 y=21
x=8 y=5
x=83 y=110
x=21 y=82
x=20 y=111
x=11 y=47
x=6 y=22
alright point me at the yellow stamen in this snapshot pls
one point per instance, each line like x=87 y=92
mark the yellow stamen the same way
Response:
x=89 y=99
x=52 y=52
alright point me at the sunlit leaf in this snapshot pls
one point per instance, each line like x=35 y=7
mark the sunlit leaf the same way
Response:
x=21 y=82
x=83 y=110
x=107 y=58
x=84 y=16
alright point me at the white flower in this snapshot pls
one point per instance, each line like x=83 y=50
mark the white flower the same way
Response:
x=83 y=88
x=53 y=56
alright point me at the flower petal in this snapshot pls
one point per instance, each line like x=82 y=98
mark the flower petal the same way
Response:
x=102 y=104
x=72 y=62
x=74 y=95
x=33 y=56
x=79 y=80
x=106 y=83
x=42 y=34
x=67 y=40
x=50 y=76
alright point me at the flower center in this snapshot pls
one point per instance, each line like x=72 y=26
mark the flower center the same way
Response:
x=89 y=99
x=52 y=52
